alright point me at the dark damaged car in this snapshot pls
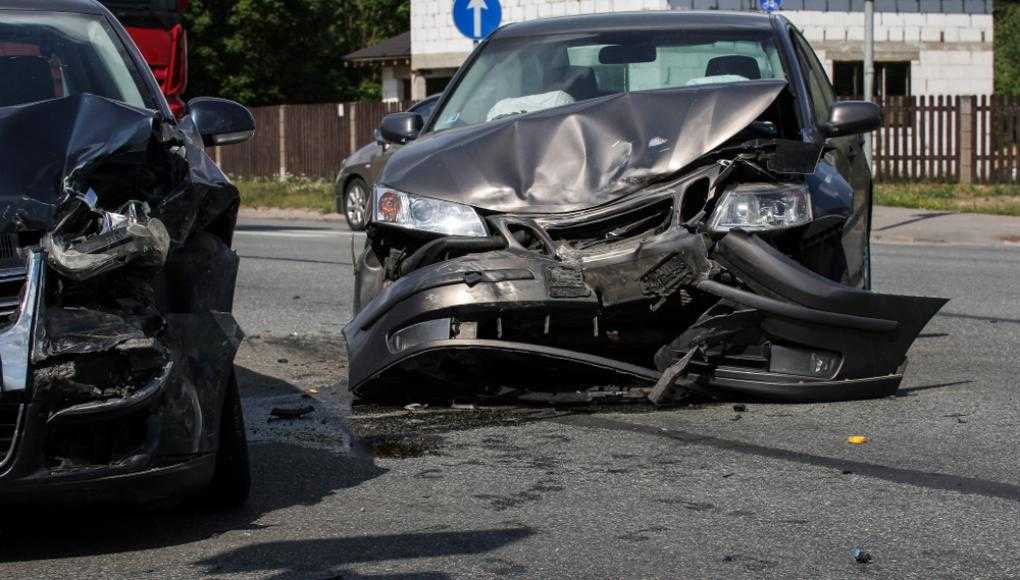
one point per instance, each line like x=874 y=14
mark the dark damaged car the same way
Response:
x=116 y=271
x=659 y=199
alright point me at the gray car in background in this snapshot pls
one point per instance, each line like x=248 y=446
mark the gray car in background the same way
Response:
x=359 y=171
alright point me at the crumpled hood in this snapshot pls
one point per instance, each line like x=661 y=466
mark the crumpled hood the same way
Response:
x=52 y=150
x=50 y=146
x=580 y=155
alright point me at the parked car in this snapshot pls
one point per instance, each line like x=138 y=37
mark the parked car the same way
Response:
x=666 y=200
x=116 y=271
x=359 y=171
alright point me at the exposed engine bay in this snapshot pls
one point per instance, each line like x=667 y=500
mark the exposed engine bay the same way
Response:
x=703 y=245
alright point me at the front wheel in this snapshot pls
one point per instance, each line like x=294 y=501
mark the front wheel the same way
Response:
x=231 y=483
x=356 y=204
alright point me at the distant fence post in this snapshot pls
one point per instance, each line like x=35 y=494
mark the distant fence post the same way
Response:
x=283 y=140
x=967 y=153
x=352 y=126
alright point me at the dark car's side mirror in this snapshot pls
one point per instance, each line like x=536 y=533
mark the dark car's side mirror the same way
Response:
x=852 y=118
x=221 y=122
x=401 y=127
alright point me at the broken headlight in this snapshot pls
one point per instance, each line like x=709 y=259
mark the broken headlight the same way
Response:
x=89 y=241
x=426 y=214
x=762 y=206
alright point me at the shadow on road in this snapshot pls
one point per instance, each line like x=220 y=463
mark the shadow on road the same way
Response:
x=284 y=475
x=315 y=558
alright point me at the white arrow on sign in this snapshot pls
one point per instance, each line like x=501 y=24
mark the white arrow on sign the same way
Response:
x=478 y=6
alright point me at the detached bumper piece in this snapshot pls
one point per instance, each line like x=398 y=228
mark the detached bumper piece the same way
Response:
x=742 y=317
x=789 y=334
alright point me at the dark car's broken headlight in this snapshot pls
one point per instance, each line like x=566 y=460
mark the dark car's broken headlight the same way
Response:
x=762 y=206
x=426 y=214
x=105 y=240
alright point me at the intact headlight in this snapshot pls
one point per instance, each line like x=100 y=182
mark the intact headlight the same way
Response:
x=762 y=206
x=426 y=214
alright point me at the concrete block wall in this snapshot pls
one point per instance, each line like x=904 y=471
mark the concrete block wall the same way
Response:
x=947 y=42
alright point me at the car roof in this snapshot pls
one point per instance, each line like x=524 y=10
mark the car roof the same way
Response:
x=646 y=20
x=80 y=6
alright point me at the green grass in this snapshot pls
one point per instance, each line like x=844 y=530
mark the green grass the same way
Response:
x=1001 y=199
x=291 y=193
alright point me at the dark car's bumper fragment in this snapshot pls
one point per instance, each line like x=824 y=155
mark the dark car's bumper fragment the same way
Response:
x=516 y=319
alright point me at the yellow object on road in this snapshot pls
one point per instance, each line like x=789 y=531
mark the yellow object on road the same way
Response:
x=857 y=439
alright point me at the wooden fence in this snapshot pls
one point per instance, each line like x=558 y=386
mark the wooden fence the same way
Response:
x=306 y=140
x=924 y=138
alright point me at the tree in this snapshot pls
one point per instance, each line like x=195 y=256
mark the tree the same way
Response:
x=263 y=52
x=1007 y=47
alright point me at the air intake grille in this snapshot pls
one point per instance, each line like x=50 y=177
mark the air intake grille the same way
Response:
x=12 y=278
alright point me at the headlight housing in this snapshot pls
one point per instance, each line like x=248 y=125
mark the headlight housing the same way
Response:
x=762 y=206
x=425 y=214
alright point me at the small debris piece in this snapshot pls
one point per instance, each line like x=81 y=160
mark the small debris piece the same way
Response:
x=313 y=391
x=296 y=297
x=737 y=417
x=415 y=407
x=857 y=439
x=740 y=408
x=282 y=361
x=860 y=555
x=291 y=412
x=663 y=388
x=463 y=406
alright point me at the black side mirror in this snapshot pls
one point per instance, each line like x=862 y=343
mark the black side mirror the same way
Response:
x=852 y=118
x=221 y=122
x=401 y=127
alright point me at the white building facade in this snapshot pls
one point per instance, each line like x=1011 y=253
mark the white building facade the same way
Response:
x=922 y=47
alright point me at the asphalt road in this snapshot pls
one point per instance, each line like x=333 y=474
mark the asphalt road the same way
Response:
x=775 y=491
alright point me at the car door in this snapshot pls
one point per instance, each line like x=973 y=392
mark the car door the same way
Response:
x=846 y=155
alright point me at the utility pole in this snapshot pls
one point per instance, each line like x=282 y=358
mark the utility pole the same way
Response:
x=869 y=64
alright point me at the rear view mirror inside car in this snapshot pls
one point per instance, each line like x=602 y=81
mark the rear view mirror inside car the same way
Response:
x=627 y=54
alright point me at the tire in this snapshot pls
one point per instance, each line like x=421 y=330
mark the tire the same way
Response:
x=355 y=204
x=231 y=483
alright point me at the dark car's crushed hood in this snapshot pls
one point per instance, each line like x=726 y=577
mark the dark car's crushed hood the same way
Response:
x=580 y=155
x=49 y=147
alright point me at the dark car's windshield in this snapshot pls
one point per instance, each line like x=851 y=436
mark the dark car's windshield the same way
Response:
x=518 y=75
x=47 y=55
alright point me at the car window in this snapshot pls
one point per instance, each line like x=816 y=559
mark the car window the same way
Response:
x=424 y=108
x=512 y=75
x=822 y=93
x=58 y=54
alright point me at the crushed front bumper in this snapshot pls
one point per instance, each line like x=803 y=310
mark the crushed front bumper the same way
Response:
x=771 y=327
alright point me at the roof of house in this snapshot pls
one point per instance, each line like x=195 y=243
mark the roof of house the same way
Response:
x=394 y=48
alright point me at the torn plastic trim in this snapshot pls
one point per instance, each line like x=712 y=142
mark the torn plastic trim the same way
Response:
x=796 y=311
x=16 y=342
x=112 y=408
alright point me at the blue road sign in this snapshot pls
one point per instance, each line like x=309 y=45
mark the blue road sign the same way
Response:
x=770 y=5
x=476 y=19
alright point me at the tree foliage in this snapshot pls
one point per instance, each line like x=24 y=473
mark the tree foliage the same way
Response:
x=263 y=52
x=1007 y=47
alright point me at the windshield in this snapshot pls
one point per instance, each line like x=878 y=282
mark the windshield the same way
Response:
x=518 y=75
x=58 y=54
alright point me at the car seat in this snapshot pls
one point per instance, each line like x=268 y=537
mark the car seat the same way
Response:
x=744 y=66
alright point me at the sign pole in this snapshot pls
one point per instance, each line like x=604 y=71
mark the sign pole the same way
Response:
x=869 y=64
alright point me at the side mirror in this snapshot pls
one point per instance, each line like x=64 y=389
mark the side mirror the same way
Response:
x=401 y=127
x=852 y=118
x=377 y=135
x=221 y=122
